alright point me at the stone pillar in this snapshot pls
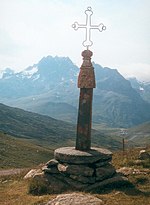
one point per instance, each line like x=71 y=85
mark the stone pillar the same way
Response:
x=86 y=83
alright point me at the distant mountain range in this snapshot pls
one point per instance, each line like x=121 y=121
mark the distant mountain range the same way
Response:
x=143 y=88
x=49 y=88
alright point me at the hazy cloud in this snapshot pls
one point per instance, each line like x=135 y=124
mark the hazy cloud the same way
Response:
x=31 y=29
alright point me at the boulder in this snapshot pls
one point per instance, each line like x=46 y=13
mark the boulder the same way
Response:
x=47 y=184
x=104 y=172
x=83 y=179
x=76 y=169
x=125 y=171
x=74 y=184
x=51 y=163
x=32 y=173
x=75 y=199
x=115 y=181
x=102 y=163
x=50 y=170
x=144 y=155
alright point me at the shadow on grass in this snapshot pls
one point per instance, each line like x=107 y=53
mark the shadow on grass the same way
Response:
x=127 y=187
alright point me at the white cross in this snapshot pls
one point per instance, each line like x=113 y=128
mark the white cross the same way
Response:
x=88 y=27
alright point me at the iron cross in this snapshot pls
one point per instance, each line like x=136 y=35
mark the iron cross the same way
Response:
x=87 y=43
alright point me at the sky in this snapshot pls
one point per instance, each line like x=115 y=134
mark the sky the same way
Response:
x=32 y=29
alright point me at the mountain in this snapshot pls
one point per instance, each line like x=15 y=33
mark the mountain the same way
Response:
x=45 y=131
x=116 y=102
x=143 y=88
x=49 y=88
x=47 y=75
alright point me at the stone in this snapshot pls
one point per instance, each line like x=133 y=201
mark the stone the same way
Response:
x=138 y=162
x=125 y=171
x=51 y=163
x=83 y=179
x=75 y=185
x=144 y=155
x=71 y=155
x=32 y=173
x=83 y=136
x=116 y=180
x=104 y=172
x=102 y=163
x=51 y=170
x=75 y=169
x=86 y=78
x=75 y=199
x=132 y=171
x=47 y=184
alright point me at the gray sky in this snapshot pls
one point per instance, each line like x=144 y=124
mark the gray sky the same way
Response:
x=32 y=29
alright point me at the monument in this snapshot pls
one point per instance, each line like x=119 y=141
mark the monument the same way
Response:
x=82 y=168
x=86 y=83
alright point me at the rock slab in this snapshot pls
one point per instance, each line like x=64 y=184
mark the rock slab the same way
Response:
x=76 y=169
x=144 y=155
x=75 y=199
x=71 y=155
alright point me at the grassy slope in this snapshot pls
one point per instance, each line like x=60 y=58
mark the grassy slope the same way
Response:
x=14 y=189
x=140 y=135
x=20 y=153
x=136 y=136
x=45 y=130
x=17 y=153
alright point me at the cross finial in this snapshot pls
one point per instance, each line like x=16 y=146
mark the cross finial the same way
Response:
x=87 y=43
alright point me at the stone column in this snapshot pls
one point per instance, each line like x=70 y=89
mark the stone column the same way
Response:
x=86 y=83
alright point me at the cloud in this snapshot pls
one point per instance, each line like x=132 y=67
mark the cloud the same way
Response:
x=140 y=70
x=31 y=29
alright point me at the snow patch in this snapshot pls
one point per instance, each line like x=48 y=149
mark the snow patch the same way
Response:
x=30 y=72
x=141 y=89
x=36 y=77
x=6 y=74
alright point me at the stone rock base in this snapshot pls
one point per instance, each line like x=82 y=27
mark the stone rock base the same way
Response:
x=79 y=171
x=75 y=199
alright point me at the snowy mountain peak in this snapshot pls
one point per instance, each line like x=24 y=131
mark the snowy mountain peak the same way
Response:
x=29 y=72
x=6 y=73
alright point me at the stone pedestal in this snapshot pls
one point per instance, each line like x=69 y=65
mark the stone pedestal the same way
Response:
x=81 y=170
x=73 y=156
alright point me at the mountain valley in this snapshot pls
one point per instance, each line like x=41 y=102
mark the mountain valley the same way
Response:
x=49 y=88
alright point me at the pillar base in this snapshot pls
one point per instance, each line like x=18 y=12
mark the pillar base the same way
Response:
x=71 y=155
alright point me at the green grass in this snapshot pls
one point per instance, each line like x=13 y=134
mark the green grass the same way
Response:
x=14 y=190
x=19 y=153
x=128 y=157
x=136 y=136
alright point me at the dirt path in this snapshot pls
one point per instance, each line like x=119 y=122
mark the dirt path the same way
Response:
x=9 y=172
